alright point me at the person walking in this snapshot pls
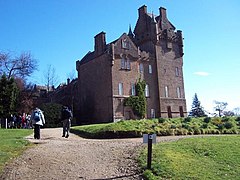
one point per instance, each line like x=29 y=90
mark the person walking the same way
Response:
x=66 y=117
x=37 y=120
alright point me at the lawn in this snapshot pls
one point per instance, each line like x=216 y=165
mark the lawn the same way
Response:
x=161 y=126
x=12 y=144
x=195 y=158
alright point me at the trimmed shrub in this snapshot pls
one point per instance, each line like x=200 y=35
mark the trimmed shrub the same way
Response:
x=220 y=126
x=207 y=119
x=181 y=131
x=237 y=119
x=216 y=121
x=225 y=119
x=204 y=126
x=161 y=120
x=202 y=131
x=173 y=126
x=197 y=131
x=186 y=126
x=162 y=132
x=228 y=125
x=187 y=119
x=170 y=132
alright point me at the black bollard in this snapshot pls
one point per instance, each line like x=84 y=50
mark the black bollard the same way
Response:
x=149 y=160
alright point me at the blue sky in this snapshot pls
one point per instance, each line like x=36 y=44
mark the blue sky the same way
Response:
x=58 y=32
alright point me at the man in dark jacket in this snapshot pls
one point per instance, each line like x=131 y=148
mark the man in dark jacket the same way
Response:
x=66 y=119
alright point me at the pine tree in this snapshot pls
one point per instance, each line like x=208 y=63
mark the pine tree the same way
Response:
x=197 y=109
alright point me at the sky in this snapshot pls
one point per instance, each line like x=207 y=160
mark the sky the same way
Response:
x=59 y=32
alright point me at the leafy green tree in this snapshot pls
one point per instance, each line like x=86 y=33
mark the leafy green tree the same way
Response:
x=197 y=109
x=52 y=114
x=9 y=94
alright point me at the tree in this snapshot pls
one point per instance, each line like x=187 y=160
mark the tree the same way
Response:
x=9 y=94
x=138 y=103
x=220 y=107
x=50 y=77
x=72 y=75
x=197 y=109
x=228 y=113
x=236 y=111
x=26 y=94
x=19 y=66
x=52 y=114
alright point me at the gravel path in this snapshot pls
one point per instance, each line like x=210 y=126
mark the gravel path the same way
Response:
x=55 y=157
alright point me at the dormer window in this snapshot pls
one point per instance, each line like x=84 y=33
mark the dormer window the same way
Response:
x=125 y=64
x=125 y=44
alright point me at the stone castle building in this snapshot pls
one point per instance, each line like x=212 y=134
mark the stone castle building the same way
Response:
x=106 y=76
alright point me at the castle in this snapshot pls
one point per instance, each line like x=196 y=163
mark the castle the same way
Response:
x=108 y=75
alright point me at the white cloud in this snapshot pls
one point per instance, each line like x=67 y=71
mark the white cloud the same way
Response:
x=202 y=73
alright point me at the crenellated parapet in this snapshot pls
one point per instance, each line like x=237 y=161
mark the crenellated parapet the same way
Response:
x=157 y=29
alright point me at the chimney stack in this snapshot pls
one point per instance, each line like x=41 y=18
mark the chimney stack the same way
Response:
x=142 y=10
x=100 y=43
x=163 y=12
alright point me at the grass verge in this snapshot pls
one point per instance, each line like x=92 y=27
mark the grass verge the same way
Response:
x=195 y=158
x=12 y=144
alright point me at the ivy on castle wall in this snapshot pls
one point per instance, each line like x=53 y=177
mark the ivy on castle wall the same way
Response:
x=138 y=102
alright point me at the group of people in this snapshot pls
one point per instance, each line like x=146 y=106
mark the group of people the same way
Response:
x=37 y=120
x=19 y=121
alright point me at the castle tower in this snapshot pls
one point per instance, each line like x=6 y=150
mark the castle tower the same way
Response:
x=157 y=36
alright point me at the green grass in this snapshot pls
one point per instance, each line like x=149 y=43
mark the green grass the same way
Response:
x=195 y=158
x=12 y=144
x=162 y=127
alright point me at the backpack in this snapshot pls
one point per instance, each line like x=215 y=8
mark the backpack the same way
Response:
x=36 y=116
x=66 y=114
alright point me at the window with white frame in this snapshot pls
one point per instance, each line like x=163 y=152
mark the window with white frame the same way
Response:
x=152 y=113
x=147 y=90
x=176 y=71
x=133 y=89
x=178 y=92
x=125 y=64
x=150 y=69
x=128 y=65
x=120 y=89
x=122 y=63
x=141 y=68
x=166 y=91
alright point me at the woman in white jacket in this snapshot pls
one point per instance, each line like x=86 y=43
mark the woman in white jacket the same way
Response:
x=37 y=120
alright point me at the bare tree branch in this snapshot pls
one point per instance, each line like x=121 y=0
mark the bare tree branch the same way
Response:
x=220 y=106
x=50 y=77
x=21 y=66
